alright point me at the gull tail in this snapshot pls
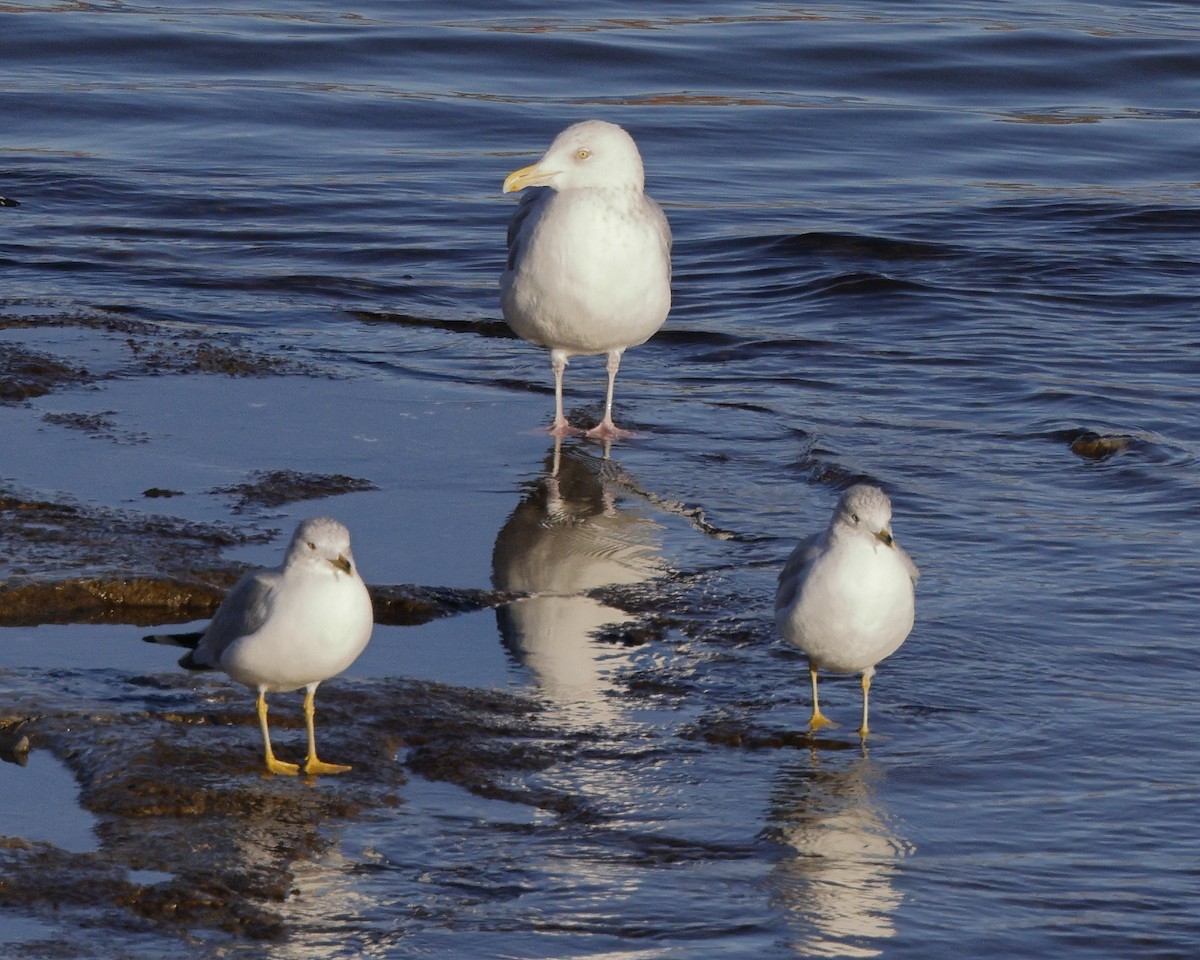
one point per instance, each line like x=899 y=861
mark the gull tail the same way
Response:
x=189 y=640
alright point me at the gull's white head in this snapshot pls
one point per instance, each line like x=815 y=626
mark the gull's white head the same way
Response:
x=866 y=508
x=590 y=154
x=322 y=543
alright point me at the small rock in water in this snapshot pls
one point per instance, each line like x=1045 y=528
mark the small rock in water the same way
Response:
x=1093 y=446
x=14 y=745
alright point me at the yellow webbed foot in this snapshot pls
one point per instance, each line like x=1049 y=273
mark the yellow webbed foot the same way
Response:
x=313 y=766
x=282 y=767
x=818 y=721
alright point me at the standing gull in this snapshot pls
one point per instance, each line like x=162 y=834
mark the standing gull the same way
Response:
x=293 y=627
x=589 y=257
x=846 y=596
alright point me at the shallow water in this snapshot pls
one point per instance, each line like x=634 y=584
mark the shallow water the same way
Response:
x=930 y=246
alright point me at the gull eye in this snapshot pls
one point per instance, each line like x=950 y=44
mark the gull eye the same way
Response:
x=311 y=545
x=853 y=516
x=582 y=153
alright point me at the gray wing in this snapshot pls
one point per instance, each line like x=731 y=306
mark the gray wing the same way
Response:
x=789 y=577
x=533 y=199
x=664 y=229
x=909 y=565
x=244 y=609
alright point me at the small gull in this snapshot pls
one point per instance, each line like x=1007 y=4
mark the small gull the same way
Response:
x=846 y=596
x=283 y=629
x=589 y=257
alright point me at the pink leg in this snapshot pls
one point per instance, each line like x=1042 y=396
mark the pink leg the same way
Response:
x=606 y=429
x=560 y=427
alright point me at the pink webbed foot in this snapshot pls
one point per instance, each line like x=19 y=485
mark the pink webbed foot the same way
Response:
x=607 y=430
x=562 y=428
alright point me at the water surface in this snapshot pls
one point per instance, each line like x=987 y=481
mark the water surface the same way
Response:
x=928 y=246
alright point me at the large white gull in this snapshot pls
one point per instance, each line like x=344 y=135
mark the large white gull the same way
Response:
x=589 y=257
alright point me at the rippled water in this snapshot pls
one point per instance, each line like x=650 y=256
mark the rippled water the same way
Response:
x=931 y=245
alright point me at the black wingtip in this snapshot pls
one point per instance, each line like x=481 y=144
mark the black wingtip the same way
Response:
x=188 y=662
x=190 y=640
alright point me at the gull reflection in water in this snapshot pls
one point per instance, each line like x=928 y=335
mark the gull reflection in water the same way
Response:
x=568 y=536
x=324 y=910
x=839 y=887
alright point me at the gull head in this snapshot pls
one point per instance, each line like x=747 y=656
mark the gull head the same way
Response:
x=866 y=508
x=591 y=154
x=320 y=543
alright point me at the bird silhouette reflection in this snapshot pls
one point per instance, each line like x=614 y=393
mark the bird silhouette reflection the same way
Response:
x=838 y=889
x=570 y=535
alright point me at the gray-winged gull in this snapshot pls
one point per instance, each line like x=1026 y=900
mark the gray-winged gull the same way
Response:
x=283 y=629
x=846 y=596
x=589 y=257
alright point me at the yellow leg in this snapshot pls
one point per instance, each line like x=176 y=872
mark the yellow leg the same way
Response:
x=818 y=719
x=866 y=689
x=312 y=765
x=275 y=766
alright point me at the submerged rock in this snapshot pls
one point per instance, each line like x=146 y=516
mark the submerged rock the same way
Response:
x=176 y=784
x=41 y=539
x=143 y=601
x=408 y=605
x=1094 y=446
x=148 y=349
x=273 y=488
x=25 y=374
x=14 y=744
x=66 y=562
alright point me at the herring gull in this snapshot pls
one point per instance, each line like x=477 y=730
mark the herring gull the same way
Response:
x=589 y=257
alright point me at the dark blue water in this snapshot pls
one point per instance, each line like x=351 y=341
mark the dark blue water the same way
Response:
x=929 y=244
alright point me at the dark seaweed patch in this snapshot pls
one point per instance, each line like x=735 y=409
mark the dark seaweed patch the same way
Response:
x=273 y=488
